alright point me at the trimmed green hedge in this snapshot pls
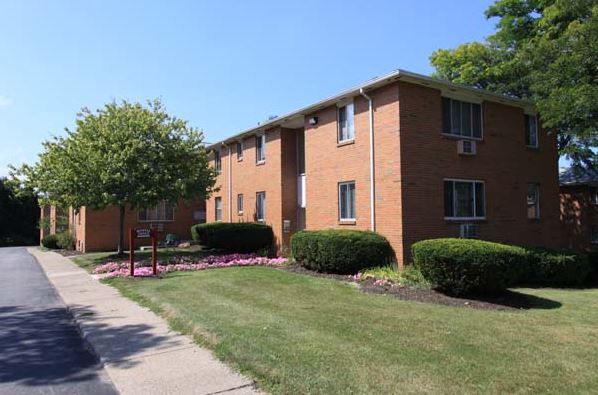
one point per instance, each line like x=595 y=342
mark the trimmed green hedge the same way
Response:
x=553 y=268
x=234 y=237
x=65 y=241
x=464 y=266
x=340 y=251
x=50 y=242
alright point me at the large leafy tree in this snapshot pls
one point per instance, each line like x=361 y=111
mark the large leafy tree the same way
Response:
x=126 y=155
x=545 y=51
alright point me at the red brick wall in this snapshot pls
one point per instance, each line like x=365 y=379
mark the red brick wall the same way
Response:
x=503 y=162
x=577 y=217
x=327 y=163
x=248 y=178
x=412 y=159
x=98 y=230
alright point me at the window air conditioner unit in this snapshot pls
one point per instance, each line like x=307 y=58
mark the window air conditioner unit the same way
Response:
x=466 y=147
x=468 y=231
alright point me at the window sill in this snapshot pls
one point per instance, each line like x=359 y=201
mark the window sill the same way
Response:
x=457 y=137
x=465 y=219
x=345 y=142
x=347 y=222
x=147 y=221
x=260 y=162
x=240 y=213
x=239 y=159
x=535 y=147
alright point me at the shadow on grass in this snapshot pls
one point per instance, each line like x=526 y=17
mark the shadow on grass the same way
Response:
x=518 y=300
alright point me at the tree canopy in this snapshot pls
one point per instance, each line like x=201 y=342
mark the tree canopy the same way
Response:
x=124 y=154
x=545 y=51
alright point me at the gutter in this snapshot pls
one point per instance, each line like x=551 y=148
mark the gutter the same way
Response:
x=230 y=183
x=372 y=173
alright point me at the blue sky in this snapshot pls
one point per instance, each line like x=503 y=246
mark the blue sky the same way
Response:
x=222 y=65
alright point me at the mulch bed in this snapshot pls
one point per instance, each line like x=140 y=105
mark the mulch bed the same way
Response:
x=68 y=253
x=506 y=301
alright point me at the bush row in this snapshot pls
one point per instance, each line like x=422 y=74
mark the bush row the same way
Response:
x=340 y=251
x=234 y=237
x=462 y=266
x=61 y=240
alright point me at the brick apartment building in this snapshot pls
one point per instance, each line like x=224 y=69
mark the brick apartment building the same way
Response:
x=579 y=208
x=406 y=155
x=97 y=230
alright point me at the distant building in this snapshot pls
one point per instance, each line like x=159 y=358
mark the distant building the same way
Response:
x=97 y=230
x=579 y=208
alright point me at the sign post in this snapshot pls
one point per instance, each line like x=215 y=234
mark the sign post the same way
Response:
x=154 y=252
x=132 y=251
x=143 y=233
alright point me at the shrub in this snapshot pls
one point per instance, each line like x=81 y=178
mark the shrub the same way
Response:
x=463 y=266
x=50 y=242
x=65 y=240
x=553 y=268
x=340 y=251
x=234 y=237
x=405 y=276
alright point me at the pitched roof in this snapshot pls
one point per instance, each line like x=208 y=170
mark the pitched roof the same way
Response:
x=576 y=175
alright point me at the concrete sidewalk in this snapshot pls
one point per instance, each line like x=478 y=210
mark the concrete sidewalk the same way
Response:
x=139 y=351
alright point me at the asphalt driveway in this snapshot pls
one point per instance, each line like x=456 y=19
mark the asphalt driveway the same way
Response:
x=40 y=348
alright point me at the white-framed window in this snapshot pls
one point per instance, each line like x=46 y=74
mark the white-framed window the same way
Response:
x=260 y=206
x=240 y=150
x=240 y=203
x=461 y=118
x=533 y=201
x=346 y=201
x=531 y=131
x=260 y=148
x=594 y=234
x=346 y=122
x=218 y=161
x=593 y=195
x=464 y=199
x=161 y=212
x=218 y=208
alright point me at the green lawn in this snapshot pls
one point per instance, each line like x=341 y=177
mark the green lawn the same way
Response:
x=89 y=261
x=299 y=334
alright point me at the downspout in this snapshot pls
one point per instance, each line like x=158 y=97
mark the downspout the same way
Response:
x=372 y=180
x=230 y=184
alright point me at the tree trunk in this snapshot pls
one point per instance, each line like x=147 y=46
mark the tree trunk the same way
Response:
x=121 y=231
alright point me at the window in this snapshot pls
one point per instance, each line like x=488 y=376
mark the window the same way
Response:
x=593 y=195
x=346 y=125
x=240 y=203
x=163 y=211
x=240 y=150
x=218 y=208
x=260 y=206
x=464 y=199
x=260 y=148
x=594 y=234
x=533 y=201
x=346 y=201
x=218 y=161
x=461 y=119
x=531 y=131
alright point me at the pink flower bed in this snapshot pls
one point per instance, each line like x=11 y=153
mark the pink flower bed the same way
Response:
x=187 y=263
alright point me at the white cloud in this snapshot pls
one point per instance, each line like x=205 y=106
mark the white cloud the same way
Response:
x=5 y=101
